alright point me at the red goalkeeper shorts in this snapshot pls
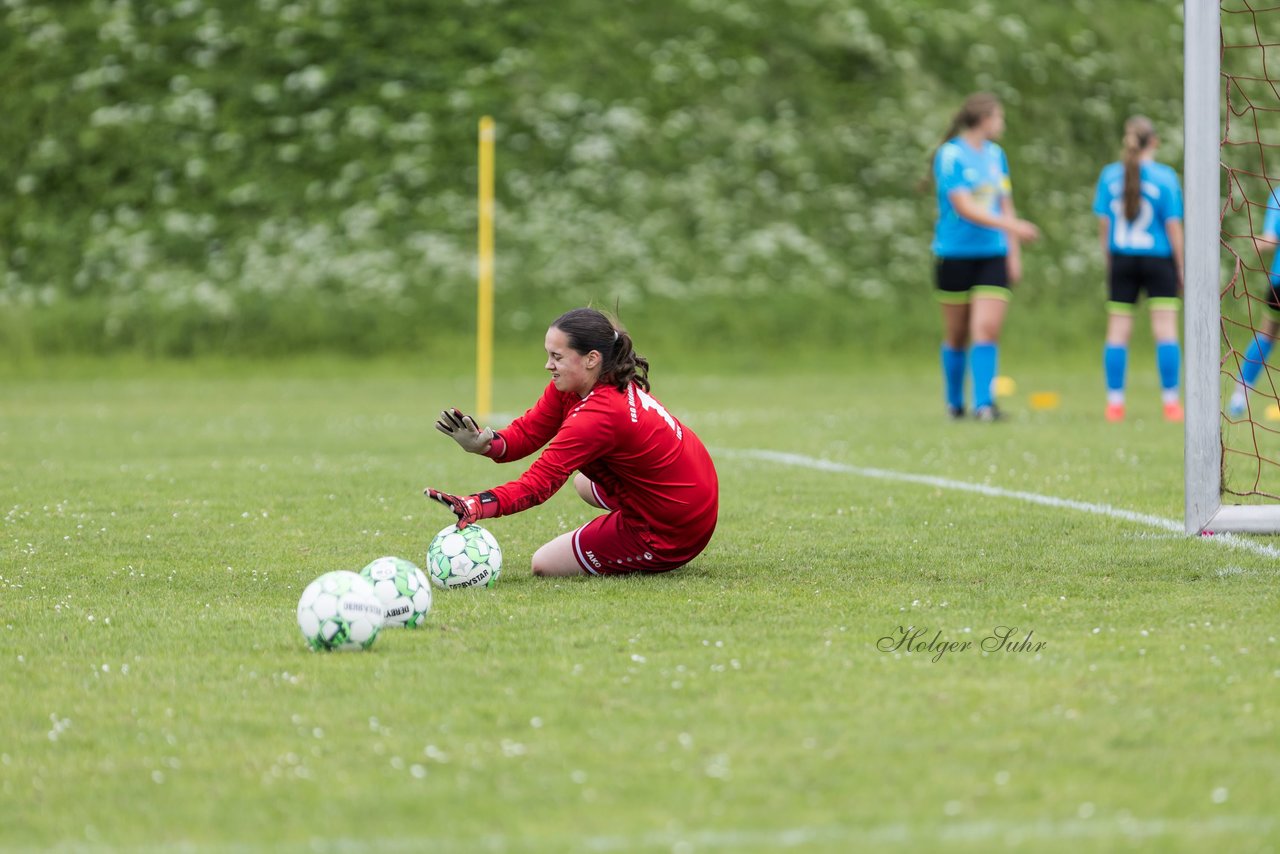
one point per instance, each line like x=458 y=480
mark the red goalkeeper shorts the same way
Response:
x=613 y=544
x=607 y=545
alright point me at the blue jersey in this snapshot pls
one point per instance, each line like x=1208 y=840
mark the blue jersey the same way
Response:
x=1161 y=202
x=1271 y=230
x=984 y=173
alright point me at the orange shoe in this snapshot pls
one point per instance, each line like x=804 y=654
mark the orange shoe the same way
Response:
x=1115 y=412
x=1173 y=412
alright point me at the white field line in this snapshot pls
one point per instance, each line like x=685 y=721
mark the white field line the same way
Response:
x=1170 y=525
x=980 y=831
x=961 y=832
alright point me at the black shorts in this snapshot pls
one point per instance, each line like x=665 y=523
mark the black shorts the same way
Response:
x=1133 y=274
x=1273 y=300
x=960 y=279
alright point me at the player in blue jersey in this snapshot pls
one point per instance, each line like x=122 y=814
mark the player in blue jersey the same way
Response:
x=1139 y=208
x=1255 y=356
x=976 y=246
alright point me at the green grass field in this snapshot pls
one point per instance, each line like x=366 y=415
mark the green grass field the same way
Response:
x=159 y=524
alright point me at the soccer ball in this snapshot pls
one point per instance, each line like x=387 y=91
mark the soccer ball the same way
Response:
x=339 y=610
x=403 y=590
x=467 y=558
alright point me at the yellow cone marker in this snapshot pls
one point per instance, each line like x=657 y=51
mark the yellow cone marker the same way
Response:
x=1042 y=400
x=1004 y=386
x=1273 y=413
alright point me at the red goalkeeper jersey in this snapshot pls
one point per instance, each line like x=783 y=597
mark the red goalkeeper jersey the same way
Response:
x=656 y=472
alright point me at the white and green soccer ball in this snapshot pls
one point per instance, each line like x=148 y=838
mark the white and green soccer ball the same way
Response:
x=467 y=558
x=403 y=590
x=339 y=610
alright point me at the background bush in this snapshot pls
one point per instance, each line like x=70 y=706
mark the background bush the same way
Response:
x=268 y=177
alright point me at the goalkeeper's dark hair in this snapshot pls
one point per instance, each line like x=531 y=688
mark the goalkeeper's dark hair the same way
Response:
x=975 y=108
x=1139 y=132
x=588 y=329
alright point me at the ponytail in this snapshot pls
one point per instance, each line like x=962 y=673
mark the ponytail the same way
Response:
x=588 y=329
x=624 y=365
x=1138 y=133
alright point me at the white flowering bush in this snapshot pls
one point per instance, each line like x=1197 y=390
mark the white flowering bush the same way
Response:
x=301 y=174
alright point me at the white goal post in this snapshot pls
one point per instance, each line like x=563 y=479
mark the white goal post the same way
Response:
x=1202 y=311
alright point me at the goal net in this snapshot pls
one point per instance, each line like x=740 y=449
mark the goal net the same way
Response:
x=1232 y=166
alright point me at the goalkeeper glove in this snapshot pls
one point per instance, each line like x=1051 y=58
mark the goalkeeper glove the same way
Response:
x=468 y=508
x=463 y=430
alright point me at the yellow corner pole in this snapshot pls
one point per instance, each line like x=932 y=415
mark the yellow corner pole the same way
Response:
x=484 y=299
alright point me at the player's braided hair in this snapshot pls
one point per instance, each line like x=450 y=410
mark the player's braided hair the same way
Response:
x=588 y=329
x=1138 y=132
x=975 y=108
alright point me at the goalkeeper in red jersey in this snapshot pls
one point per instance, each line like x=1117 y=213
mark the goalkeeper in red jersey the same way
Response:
x=633 y=459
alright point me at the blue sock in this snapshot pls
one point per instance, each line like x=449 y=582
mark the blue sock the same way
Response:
x=1169 y=361
x=953 y=374
x=1254 y=358
x=982 y=357
x=1115 y=360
